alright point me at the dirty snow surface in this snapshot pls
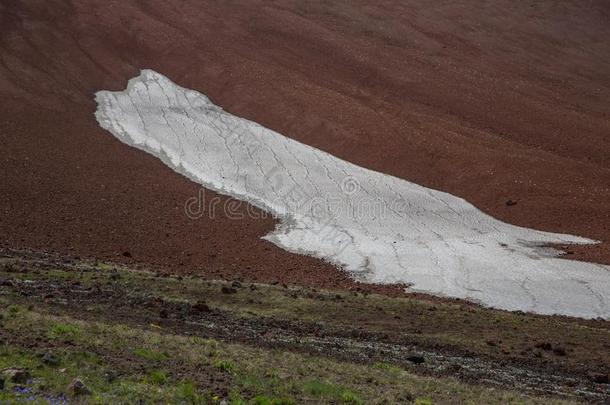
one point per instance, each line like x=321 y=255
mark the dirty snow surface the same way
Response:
x=380 y=228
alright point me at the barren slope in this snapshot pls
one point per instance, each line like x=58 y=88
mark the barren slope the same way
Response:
x=488 y=101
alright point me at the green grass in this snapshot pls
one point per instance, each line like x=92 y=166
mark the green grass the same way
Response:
x=252 y=375
x=224 y=366
x=330 y=391
x=65 y=332
x=262 y=400
x=157 y=377
x=149 y=354
x=155 y=366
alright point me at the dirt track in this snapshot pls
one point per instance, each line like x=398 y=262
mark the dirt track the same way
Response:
x=490 y=101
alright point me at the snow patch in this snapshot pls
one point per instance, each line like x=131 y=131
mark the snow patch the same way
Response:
x=380 y=228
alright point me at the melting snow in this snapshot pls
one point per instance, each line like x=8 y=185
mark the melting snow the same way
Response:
x=380 y=228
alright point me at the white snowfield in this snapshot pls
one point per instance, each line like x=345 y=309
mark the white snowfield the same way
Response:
x=380 y=228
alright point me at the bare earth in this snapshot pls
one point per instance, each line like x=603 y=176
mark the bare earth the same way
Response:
x=491 y=101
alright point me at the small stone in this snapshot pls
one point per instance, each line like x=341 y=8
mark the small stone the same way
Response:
x=544 y=346
x=127 y=254
x=77 y=387
x=236 y=284
x=6 y=283
x=50 y=359
x=201 y=306
x=406 y=397
x=416 y=359
x=600 y=378
x=511 y=203
x=16 y=375
x=110 y=376
x=228 y=290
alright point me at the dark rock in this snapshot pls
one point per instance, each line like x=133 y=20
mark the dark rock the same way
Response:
x=228 y=290
x=16 y=375
x=163 y=313
x=77 y=387
x=510 y=203
x=6 y=283
x=110 y=376
x=405 y=397
x=50 y=359
x=127 y=254
x=201 y=306
x=236 y=284
x=544 y=346
x=600 y=378
x=416 y=359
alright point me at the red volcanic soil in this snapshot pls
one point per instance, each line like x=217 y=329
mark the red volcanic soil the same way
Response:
x=489 y=100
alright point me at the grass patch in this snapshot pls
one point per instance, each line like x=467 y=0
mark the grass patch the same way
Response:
x=151 y=355
x=279 y=374
x=241 y=374
x=262 y=400
x=224 y=365
x=157 y=377
x=64 y=332
x=331 y=391
x=388 y=367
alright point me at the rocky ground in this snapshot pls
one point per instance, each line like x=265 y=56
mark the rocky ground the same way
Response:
x=86 y=331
